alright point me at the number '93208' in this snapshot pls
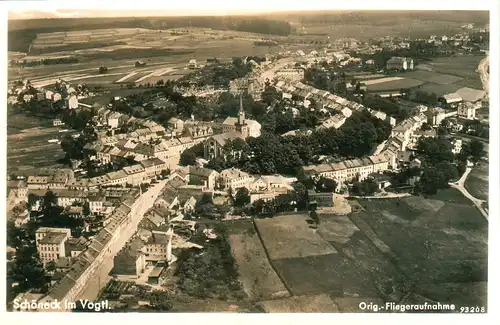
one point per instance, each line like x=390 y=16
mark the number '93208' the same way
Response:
x=472 y=309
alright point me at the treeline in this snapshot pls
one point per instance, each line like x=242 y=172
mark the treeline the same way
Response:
x=390 y=18
x=25 y=63
x=23 y=32
x=74 y=47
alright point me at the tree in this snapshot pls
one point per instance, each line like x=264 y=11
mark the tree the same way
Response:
x=160 y=300
x=326 y=185
x=476 y=149
x=242 y=197
x=86 y=209
x=188 y=158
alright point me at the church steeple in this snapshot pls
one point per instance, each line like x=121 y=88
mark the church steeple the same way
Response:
x=241 y=114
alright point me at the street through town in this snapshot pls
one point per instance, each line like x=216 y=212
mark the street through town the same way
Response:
x=101 y=276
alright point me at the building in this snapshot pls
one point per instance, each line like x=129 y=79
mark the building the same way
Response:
x=317 y=200
x=234 y=179
x=451 y=100
x=114 y=120
x=247 y=128
x=192 y=64
x=202 y=176
x=176 y=124
x=213 y=147
x=457 y=146
x=129 y=262
x=290 y=74
x=72 y=102
x=399 y=63
x=347 y=170
x=50 y=243
x=57 y=122
x=467 y=111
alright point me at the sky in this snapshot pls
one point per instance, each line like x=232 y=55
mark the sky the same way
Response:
x=142 y=8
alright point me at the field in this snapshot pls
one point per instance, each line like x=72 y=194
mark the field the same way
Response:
x=257 y=276
x=276 y=234
x=28 y=146
x=388 y=249
x=381 y=27
x=432 y=77
x=477 y=182
x=463 y=67
x=392 y=84
x=437 y=243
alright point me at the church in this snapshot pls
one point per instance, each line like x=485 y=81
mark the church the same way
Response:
x=232 y=128
x=247 y=128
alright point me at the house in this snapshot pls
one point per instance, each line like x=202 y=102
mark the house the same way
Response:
x=317 y=199
x=50 y=243
x=457 y=146
x=113 y=120
x=176 y=124
x=234 y=179
x=189 y=205
x=399 y=63
x=467 y=111
x=130 y=261
x=382 y=181
x=74 y=246
x=335 y=121
x=153 y=167
x=159 y=246
x=37 y=182
x=57 y=122
x=72 y=102
x=136 y=174
x=192 y=64
x=202 y=176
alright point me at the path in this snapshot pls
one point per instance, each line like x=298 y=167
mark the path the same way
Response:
x=460 y=186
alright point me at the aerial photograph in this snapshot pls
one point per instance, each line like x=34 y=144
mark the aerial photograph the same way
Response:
x=274 y=162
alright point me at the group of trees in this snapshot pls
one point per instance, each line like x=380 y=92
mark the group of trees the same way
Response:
x=296 y=199
x=34 y=63
x=26 y=269
x=476 y=128
x=212 y=274
x=386 y=105
x=440 y=165
x=271 y=153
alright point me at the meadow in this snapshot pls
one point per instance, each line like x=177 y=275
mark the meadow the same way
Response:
x=477 y=183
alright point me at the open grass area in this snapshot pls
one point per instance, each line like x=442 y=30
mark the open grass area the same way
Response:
x=291 y=236
x=477 y=183
x=433 y=77
x=256 y=274
x=463 y=67
x=436 y=243
x=403 y=83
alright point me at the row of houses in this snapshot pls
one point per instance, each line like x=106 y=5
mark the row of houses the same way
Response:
x=303 y=94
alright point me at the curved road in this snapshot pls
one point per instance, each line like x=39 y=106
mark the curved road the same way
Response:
x=460 y=186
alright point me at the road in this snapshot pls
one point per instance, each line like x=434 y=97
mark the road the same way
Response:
x=483 y=73
x=101 y=276
x=460 y=186
x=269 y=74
